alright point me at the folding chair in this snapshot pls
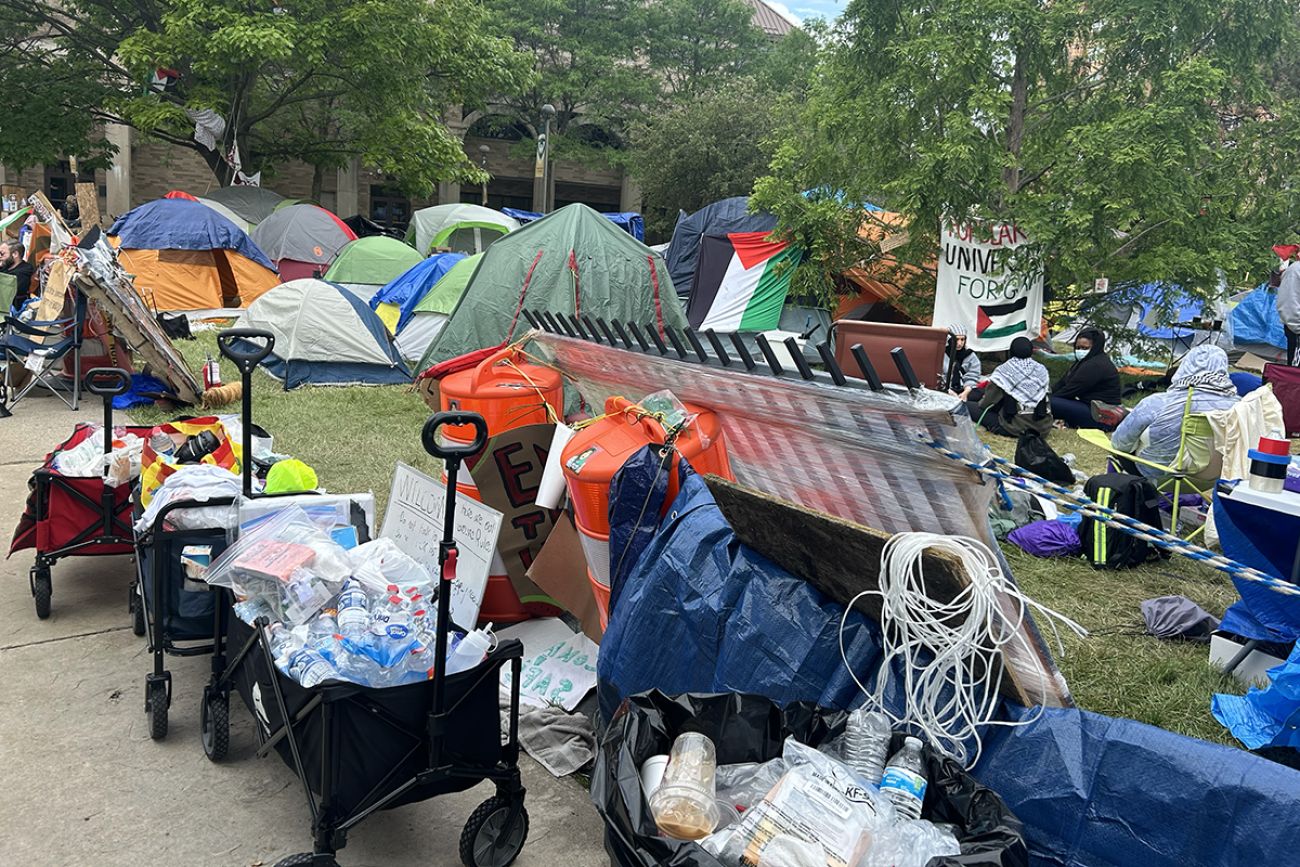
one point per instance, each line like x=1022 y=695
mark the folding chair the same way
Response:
x=48 y=343
x=1196 y=465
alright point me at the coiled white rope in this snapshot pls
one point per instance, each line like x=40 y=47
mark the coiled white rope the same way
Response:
x=951 y=653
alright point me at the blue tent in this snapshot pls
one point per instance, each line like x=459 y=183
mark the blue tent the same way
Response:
x=406 y=290
x=629 y=221
x=179 y=224
x=1255 y=320
x=719 y=218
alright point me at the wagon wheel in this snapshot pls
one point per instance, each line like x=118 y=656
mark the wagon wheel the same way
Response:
x=307 y=859
x=136 y=604
x=155 y=707
x=487 y=841
x=42 y=589
x=214 y=723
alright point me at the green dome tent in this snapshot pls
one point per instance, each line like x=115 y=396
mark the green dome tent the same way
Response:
x=458 y=227
x=366 y=264
x=573 y=260
x=431 y=312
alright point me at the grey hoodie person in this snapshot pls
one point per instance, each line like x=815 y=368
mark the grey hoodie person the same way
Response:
x=1288 y=297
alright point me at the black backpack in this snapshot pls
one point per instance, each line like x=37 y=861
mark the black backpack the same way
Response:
x=1034 y=454
x=1135 y=496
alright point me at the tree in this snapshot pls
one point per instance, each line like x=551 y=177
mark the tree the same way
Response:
x=1128 y=140
x=317 y=81
x=697 y=44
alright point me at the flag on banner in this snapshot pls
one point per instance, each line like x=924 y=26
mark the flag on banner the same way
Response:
x=980 y=287
x=741 y=282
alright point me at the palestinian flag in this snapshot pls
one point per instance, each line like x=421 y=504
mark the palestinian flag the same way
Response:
x=741 y=282
x=1002 y=320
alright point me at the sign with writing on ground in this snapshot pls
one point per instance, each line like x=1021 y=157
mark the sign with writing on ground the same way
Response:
x=983 y=287
x=413 y=520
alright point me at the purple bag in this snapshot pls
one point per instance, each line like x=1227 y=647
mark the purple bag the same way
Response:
x=1047 y=539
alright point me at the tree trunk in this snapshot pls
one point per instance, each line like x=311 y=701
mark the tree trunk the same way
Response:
x=1015 y=132
x=317 y=182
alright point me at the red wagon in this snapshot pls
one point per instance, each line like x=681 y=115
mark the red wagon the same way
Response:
x=76 y=516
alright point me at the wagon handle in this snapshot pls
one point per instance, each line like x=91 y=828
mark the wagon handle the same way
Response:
x=449 y=452
x=108 y=383
x=245 y=359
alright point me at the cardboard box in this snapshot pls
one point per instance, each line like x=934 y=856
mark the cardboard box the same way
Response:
x=561 y=571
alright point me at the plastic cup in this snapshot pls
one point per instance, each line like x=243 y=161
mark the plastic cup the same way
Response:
x=652 y=774
x=685 y=804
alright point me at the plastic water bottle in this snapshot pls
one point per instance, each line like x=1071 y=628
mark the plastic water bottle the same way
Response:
x=322 y=634
x=251 y=609
x=307 y=667
x=282 y=641
x=353 y=613
x=904 y=780
x=391 y=626
x=866 y=743
x=470 y=651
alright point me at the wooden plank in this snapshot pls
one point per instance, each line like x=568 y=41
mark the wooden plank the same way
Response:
x=88 y=205
x=841 y=559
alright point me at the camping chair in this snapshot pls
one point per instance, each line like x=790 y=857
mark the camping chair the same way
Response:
x=41 y=347
x=1195 y=466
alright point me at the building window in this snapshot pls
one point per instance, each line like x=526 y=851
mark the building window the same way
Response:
x=501 y=193
x=599 y=197
x=389 y=207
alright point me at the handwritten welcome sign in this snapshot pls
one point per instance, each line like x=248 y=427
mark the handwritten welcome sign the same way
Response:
x=413 y=520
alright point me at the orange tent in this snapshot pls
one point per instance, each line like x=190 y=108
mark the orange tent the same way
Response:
x=884 y=279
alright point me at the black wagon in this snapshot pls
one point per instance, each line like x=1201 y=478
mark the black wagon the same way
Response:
x=356 y=749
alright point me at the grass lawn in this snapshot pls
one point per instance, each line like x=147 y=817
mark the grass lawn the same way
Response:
x=352 y=436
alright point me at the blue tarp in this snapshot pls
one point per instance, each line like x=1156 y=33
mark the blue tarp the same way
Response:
x=409 y=287
x=179 y=224
x=142 y=386
x=720 y=218
x=1265 y=717
x=1265 y=540
x=1094 y=791
x=1255 y=319
x=629 y=221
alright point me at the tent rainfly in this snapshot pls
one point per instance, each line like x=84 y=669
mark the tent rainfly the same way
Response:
x=302 y=240
x=244 y=225
x=324 y=335
x=254 y=204
x=461 y=228
x=434 y=305
x=571 y=261
x=395 y=301
x=186 y=256
x=720 y=218
x=367 y=264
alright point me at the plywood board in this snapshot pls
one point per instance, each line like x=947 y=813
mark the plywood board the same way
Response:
x=88 y=204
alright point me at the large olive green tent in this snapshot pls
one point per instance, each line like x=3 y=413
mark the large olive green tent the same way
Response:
x=573 y=260
x=366 y=264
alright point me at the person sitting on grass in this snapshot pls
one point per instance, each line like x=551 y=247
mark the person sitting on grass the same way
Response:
x=961 y=366
x=1154 y=428
x=1092 y=377
x=1016 y=397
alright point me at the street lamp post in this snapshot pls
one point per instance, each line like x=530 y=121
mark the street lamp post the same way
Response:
x=548 y=114
x=483 y=151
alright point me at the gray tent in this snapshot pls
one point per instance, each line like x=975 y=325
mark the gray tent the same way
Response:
x=254 y=204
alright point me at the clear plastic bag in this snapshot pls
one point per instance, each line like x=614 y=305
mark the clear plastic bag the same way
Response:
x=819 y=814
x=910 y=843
x=288 y=562
x=198 y=482
x=379 y=563
x=745 y=785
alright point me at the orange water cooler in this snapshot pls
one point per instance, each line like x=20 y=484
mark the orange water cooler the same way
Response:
x=597 y=452
x=508 y=392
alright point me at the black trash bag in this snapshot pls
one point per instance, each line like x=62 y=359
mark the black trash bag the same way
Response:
x=751 y=728
x=1034 y=454
x=175 y=325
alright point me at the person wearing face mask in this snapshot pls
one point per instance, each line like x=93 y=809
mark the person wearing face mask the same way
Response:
x=1092 y=377
x=961 y=366
x=1016 y=397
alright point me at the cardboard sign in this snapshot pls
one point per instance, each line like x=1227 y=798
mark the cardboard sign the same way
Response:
x=561 y=571
x=507 y=475
x=413 y=520
x=980 y=286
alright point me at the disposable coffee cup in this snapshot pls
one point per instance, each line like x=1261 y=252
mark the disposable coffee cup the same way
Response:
x=652 y=774
x=551 y=487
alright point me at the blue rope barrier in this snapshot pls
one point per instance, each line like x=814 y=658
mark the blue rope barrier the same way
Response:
x=1069 y=500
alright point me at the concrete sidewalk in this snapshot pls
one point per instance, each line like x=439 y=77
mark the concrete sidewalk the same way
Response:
x=82 y=783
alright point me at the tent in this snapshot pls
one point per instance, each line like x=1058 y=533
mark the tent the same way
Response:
x=741 y=282
x=364 y=227
x=395 y=301
x=629 y=221
x=302 y=239
x=244 y=225
x=179 y=194
x=462 y=228
x=1152 y=322
x=573 y=260
x=719 y=218
x=431 y=311
x=367 y=264
x=254 y=204
x=324 y=335
x=186 y=256
x=1256 y=325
